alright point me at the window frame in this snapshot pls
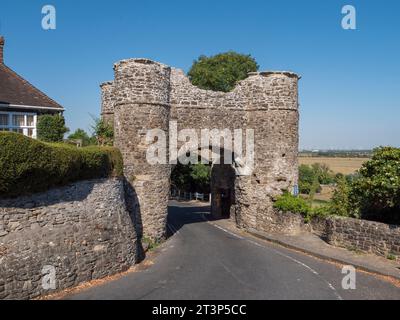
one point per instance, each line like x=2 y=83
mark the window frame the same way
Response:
x=25 y=128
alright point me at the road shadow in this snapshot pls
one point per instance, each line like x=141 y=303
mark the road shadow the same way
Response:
x=184 y=213
x=133 y=207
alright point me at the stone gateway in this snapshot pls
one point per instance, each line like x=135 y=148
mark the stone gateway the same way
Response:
x=148 y=95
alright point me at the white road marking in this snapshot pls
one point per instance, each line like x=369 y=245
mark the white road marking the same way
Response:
x=230 y=233
x=283 y=255
x=276 y=251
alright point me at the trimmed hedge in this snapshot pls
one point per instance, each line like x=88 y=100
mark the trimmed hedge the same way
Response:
x=28 y=166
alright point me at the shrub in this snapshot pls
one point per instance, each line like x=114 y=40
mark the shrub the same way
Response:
x=222 y=71
x=376 y=191
x=51 y=128
x=29 y=166
x=290 y=203
x=320 y=211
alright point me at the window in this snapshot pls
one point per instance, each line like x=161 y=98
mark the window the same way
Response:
x=30 y=121
x=23 y=123
x=3 y=119
x=30 y=132
x=18 y=120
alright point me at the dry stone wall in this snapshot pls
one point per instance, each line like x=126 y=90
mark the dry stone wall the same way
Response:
x=84 y=231
x=148 y=95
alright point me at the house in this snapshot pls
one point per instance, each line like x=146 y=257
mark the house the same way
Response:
x=20 y=102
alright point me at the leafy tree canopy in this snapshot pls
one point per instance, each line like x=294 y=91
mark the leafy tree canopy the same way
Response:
x=222 y=71
x=376 y=192
x=311 y=177
x=306 y=178
x=103 y=132
x=81 y=134
x=192 y=178
x=340 y=204
x=51 y=128
x=201 y=176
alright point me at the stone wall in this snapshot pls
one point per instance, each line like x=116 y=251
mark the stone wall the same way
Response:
x=147 y=95
x=83 y=230
x=283 y=223
x=354 y=234
x=368 y=236
x=107 y=106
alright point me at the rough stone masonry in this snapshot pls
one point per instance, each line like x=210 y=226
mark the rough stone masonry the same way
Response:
x=84 y=231
x=148 y=95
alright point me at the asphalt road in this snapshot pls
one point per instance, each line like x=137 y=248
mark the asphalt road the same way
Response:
x=203 y=261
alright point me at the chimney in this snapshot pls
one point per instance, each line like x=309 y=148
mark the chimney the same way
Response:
x=1 y=49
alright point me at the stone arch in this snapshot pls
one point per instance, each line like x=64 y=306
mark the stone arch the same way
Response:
x=147 y=95
x=223 y=180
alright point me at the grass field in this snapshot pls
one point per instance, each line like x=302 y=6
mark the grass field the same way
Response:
x=325 y=194
x=337 y=165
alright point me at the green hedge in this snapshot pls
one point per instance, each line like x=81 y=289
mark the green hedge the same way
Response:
x=293 y=204
x=29 y=166
x=290 y=203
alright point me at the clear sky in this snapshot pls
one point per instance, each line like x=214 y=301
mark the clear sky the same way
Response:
x=349 y=93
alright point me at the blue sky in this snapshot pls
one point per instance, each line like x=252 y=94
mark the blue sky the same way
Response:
x=349 y=93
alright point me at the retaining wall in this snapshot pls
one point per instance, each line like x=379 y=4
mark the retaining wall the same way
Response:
x=76 y=233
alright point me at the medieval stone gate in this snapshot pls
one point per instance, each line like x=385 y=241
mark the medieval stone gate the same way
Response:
x=148 y=95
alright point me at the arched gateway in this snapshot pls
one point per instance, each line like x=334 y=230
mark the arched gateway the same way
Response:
x=149 y=95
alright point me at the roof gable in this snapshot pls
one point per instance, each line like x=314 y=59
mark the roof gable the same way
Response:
x=15 y=90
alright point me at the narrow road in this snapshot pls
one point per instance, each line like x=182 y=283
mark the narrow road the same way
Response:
x=203 y=261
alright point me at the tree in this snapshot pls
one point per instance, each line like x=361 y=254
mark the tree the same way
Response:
x=222 y=71
x=311 y=177
x=51 y=128
x=340 y=203
x=323 y=173
x=180 y=177
x=192 y=177
x=376 y=191
x=201 y=177
x=81 y=134
x=306 y=179
x=103 y=132
x=314 y=189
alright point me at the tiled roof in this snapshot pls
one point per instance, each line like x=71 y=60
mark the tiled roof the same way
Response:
x=14 y=90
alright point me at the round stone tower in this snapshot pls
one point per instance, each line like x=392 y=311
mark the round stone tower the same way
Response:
x=272 y=112
x=141 y=95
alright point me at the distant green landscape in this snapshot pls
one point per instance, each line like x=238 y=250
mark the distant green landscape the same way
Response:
x=336 y=153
